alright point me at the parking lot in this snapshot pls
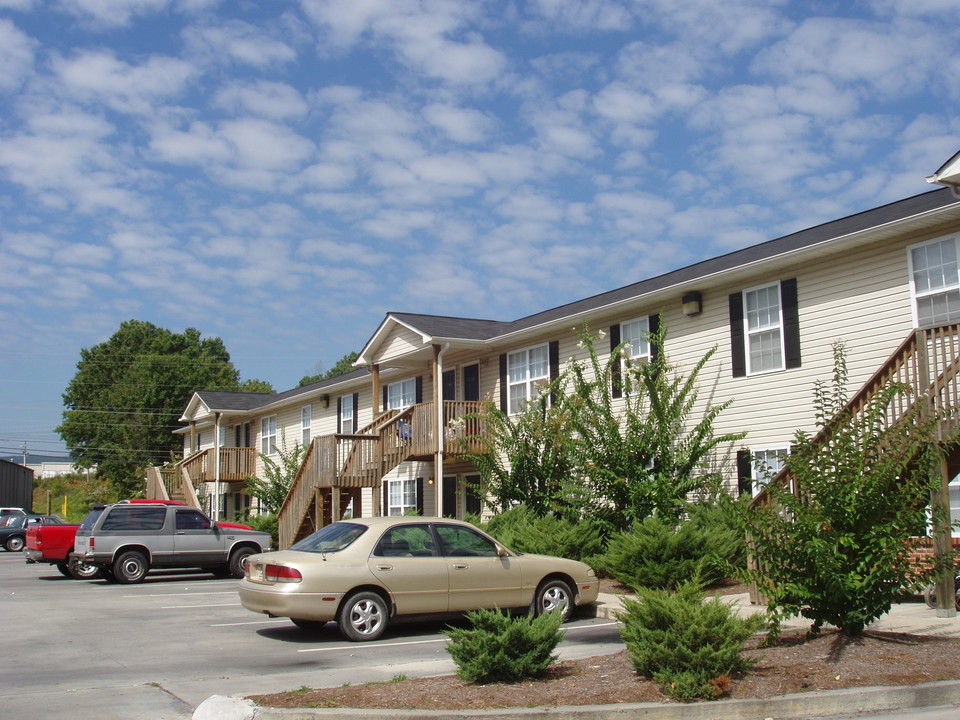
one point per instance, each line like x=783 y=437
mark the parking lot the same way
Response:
x=91 y=649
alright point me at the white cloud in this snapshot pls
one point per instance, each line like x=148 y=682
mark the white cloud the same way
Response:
x=273 y=100
x=583 y=14
x=462 y=125
x=240 y=42
x=124 y=87
x=112 y=13
x=16 y=54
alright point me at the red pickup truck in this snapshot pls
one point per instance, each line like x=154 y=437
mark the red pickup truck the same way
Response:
x=53 y=544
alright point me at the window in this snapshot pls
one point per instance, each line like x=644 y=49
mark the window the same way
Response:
x=459 y=541
x=401 y=496
x=192 y=520
x=268 y=435
x=634 y=333
x=406 y=541
x=766 y=464
x=135 y=518
x=402 y=394
x=306 y=415
x=347 y=426
x=222 y=436
x=527 y=371
x=763 y=327
x=935 y=282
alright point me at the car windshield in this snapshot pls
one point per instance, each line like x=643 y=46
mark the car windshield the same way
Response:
x=330 y=538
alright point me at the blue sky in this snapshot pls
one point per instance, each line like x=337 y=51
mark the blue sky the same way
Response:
x=282 y=174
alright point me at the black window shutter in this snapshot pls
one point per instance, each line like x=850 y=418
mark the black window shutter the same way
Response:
x=339 y=419
x=554 y=352
x=356 y=412
x=791 y=323
x=653 y=323
x=616 y=371
x=737 y=350
x=419 y=392
x=385 y=499
x=503 y=383
x=744 y=472
x=420 y=496
x=384 y=397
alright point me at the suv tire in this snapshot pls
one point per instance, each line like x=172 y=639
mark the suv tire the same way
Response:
x=80 y=570
x=236 y=561
x=130 y=567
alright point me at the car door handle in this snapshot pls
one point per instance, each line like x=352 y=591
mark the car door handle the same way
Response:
x=460 y=566
x=384 y=567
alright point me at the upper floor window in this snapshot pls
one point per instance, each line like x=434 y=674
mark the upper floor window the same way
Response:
x=306 y=418
x=935 y=282
x=402 y=394
x=347 y=426
x=527 y=371
x=634 y=334
x=268 y=435
x=765 y=328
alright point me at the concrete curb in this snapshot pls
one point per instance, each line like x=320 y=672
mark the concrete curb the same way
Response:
x=852 y=701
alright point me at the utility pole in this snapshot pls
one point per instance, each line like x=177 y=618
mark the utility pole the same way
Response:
x=24 y=452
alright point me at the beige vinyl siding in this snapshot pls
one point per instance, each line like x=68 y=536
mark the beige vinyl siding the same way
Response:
x=399 y=342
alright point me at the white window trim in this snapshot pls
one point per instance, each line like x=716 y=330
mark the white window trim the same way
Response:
x=346 y=413
x=403 y=396
x=266 y=434
x=756 y=480
x=402 y=508
x=644 y=337
x=747 y=333
x=914 y=295
x=532 y=384
x=306 y=421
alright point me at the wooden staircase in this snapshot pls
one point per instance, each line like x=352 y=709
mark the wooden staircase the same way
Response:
x=181 y=480
x=927 y=362
x=336 y=467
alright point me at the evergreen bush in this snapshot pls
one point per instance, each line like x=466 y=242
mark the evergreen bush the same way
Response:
x=522 y=530
x=660 y=554
x=502 y=648
x=690 y=647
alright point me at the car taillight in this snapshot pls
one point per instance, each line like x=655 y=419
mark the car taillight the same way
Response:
x=90 y=544
x=281 y=573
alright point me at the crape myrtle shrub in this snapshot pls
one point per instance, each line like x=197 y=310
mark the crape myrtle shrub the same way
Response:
x=833 y=542
x=522 y=530
x=656 y=553
x=499 y=647
x=691 y=647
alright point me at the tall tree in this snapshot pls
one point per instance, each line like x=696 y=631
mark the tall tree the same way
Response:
x=123 y=402
x=343 y=366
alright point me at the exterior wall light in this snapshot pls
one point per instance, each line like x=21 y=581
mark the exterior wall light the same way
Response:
x=692 y=303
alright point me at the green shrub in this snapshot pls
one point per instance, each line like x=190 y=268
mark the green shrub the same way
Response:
x=658 y=554
x=502 y=648
x=521 y=530
x=268 y=523
x=690 y=647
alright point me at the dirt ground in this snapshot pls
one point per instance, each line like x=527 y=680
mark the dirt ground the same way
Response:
x=797 y=664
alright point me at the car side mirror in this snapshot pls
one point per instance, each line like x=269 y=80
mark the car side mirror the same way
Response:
x=502 y=551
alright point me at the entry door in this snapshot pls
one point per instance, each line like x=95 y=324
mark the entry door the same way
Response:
x=449 y=497
x=471 y=382
x=449 y=385
x=472 y=503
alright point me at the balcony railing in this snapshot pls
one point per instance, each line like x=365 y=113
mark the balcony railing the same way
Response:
x=236 y=464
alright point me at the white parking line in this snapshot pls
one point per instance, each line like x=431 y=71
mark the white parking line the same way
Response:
x=427 y=642
x=191 y=594
x=252 y=622
x=187 y=607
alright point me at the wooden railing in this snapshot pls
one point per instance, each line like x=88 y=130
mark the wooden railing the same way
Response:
x=362 y=459
x=236 y=464
x=928 y=362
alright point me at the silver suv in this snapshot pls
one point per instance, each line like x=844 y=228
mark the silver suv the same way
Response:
x=126 y=540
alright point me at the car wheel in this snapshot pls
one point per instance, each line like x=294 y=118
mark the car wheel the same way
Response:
x=130 y=567
x=64 y=570
x=554 y=596
x=363 y=616
x=236 y=561
x=107 y=575
x=14 y=544
x=308 y=625
x=80 y=570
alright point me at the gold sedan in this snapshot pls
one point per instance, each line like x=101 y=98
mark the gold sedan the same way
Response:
x=363 y=572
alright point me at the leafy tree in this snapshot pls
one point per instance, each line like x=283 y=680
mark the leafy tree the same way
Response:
x=279 y=476
x=342 y=366
x=256 y=386
x=833 y=543
x=642 y=455
x=123 y=402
